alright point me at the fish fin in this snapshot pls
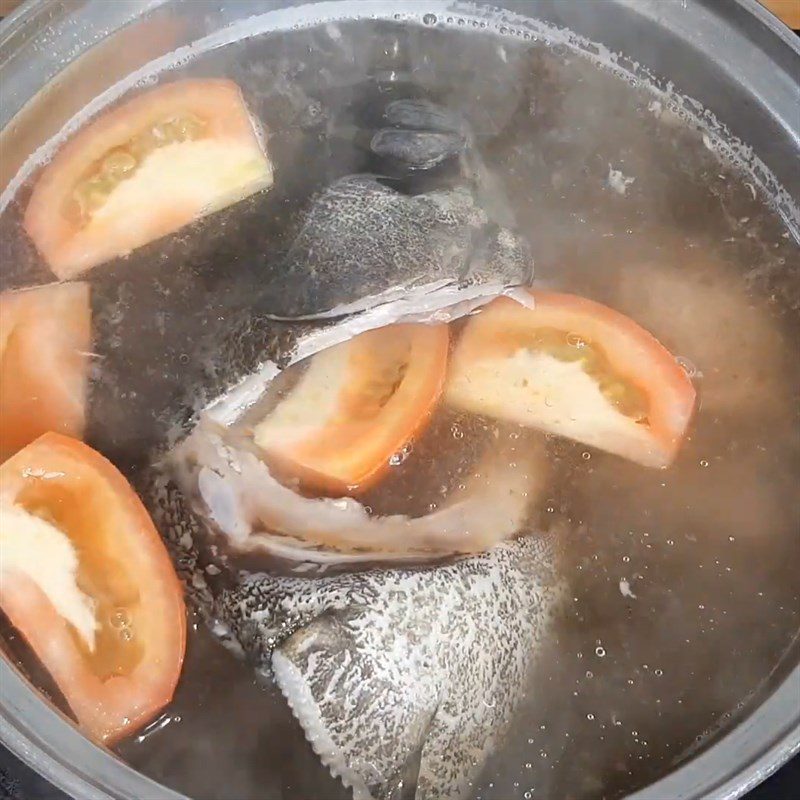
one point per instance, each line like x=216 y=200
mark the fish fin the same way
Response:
x=365 y=721
x=301 y=701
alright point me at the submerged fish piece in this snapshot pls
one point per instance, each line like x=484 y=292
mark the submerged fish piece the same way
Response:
x=363 y=244
x=234 y=494
x=423 y=134
x=404 y=680
x=726 y=340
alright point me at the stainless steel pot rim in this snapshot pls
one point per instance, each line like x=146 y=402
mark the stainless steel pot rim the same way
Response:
x=726 y=771
x=29 y=726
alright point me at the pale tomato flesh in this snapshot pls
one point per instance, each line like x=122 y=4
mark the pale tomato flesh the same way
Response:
x=356 y=405
x=574 y=368
x=118 y=668
x=143 y=170
x=45 y=339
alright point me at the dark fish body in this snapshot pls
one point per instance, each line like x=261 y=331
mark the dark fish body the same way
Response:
x=363 y=243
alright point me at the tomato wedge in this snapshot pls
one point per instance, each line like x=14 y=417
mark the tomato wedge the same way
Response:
x=143 y=170
x=357 y=404
x=575 y=368
x=45 y=336
x=88 y=583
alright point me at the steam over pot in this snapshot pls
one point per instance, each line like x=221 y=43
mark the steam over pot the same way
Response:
x=732 y=57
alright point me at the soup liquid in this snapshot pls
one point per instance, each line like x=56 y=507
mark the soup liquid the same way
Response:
x=683 y=597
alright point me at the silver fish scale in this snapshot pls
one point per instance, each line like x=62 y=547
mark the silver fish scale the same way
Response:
x=404 y=675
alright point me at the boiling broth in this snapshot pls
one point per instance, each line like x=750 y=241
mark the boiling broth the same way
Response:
x=682 y=591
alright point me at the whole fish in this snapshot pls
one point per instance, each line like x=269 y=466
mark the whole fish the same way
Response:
x=405 y=678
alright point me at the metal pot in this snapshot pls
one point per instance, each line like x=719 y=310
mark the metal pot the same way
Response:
x=733 y=57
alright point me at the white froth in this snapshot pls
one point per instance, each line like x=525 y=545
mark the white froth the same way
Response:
x=617 y=181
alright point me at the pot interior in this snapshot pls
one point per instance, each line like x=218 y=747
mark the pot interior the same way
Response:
x=681 y=605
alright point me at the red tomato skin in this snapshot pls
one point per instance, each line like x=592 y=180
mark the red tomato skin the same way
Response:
x=45 y=339
x=350 y=457
x=106 y=710
x=633 y=352
x=70 y=251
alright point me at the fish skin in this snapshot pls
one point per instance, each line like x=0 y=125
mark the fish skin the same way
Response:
x=386 y=666
x=191 y=552
x=417 y=149
x=422 y=135
x=423 y=115
x=432 y=660
x=361 y=239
